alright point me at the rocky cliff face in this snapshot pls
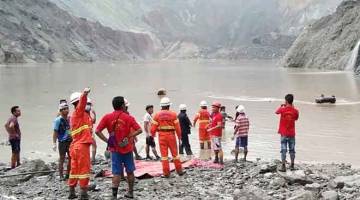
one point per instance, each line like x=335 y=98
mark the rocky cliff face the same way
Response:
x=229 y=29
x=37 y=30
x=329 y=43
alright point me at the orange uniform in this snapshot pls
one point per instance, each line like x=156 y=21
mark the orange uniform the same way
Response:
x=166 y=124
x=81 y=125
x=204 y=119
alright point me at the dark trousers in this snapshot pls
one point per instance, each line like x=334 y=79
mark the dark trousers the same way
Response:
x=185 y=144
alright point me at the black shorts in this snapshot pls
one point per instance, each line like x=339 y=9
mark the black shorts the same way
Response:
x=15 y=145
x=64 y=147
x=150 y=141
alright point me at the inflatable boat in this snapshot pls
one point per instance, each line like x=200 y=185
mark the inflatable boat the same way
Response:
x=324 y=99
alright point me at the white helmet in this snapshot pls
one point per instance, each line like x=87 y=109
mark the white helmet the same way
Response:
x=240 y=109
x=165 y=102
x=74 y=97
x=203 y=104
x=182 y=107
x=127 y=104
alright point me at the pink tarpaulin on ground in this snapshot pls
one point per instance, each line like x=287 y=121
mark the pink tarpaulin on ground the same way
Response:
x=148 y=169
x=205 y=164
x=153 y=168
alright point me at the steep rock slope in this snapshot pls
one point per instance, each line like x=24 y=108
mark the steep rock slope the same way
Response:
x=208 y=28
x=330 y=42
x=38 y=30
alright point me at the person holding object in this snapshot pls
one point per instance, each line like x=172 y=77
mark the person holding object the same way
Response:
x=288 y=116
x=80 y=146
x=62 y=135
x=122 y=129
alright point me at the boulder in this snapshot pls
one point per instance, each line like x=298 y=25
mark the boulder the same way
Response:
x=313 y=187
x=303 y=195
x=296 y=177
x=271 y=167
x=341 y=181
x=277 y=182
x=268 y=175
x=330 y=195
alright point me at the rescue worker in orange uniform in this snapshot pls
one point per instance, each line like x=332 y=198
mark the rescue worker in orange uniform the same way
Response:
x=80 y=147
x=203 y=116
x=165 y=122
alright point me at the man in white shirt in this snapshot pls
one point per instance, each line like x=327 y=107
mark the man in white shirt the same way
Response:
x=150 y=142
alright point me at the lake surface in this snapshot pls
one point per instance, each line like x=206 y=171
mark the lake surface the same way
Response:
x=325 y=133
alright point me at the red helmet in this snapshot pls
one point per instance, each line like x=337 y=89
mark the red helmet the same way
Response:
x=216 y=104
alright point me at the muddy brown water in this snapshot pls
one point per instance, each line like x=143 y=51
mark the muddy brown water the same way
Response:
x=325 y=133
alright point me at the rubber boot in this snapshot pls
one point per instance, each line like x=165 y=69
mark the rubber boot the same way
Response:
x=181 y=173
x=283 y=167
x=292 y=166
x=72 y=194
x=84 y=195
x=216 y=159
x=114 y=193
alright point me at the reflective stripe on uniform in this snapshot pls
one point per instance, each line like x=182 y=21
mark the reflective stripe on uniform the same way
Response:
x=78 y=130
x=204 y=121
x=164 y=158
x=79 y=176
x=166 y=128
x=177 y=158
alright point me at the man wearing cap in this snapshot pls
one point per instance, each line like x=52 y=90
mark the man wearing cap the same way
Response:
x=80 y=146
x=62 y=135
x=150 y=142
x=241 y=131
x=203 y=117
x=215 y=130
x=165 y=122
x=185 y=126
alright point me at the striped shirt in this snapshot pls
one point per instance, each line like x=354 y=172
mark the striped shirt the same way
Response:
x=241 y=126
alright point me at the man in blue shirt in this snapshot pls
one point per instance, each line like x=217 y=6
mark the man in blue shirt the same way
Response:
x=62 y=135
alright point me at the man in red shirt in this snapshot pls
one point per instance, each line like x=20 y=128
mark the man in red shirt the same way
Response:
x=288 y=115
x=122 y=128
x=215 y=130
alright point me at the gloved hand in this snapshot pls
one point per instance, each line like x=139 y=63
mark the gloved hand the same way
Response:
x=54 y=147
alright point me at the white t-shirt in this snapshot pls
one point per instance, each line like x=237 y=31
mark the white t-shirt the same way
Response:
x=147 y=118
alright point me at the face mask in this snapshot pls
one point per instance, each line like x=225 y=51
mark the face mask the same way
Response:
x=87 y=108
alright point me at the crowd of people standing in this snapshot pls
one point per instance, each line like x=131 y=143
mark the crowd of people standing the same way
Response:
x=73 y=136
